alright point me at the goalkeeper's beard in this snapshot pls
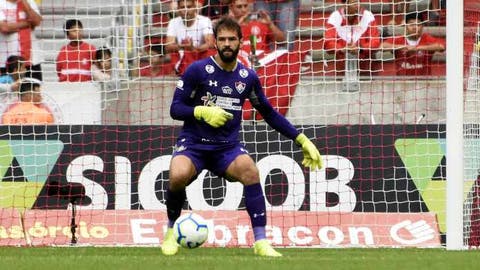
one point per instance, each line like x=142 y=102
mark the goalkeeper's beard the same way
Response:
x=228 y=59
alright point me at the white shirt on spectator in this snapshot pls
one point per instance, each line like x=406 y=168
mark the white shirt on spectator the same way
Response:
x=9 y=44
x=201 y=27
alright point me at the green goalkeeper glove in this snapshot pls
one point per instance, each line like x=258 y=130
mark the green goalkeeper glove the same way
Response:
x=212 y=115
x=311 y=156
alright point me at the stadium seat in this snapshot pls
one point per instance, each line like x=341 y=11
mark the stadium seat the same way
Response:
x=96 y=16
x=77 y=7
x=95 y=26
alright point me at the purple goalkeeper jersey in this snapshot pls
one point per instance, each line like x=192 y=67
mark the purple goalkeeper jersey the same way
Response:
x=206 y=83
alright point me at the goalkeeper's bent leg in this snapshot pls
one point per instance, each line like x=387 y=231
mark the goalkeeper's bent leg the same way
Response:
x=175 y=200
x=255 y=204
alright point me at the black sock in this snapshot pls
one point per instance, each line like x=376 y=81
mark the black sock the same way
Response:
x=175 y=200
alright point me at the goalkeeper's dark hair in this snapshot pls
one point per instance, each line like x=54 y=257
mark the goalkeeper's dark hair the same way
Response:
x=69 y=24
x=13 y=62
x=227 y=23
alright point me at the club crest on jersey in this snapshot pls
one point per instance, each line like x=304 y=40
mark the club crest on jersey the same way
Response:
x=209 y=69
x=255 y=30
x=240 y=86
x=243 y=73
x=227 y=90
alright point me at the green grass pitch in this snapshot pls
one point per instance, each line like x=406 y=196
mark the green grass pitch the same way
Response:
x=143 y=258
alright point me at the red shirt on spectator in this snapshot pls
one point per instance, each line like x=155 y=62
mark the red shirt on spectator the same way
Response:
x=74 y=62
x=411 y=63
x=163 y=70
x=261 y=31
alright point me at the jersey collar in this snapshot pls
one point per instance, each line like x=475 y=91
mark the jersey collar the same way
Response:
x=220 y=67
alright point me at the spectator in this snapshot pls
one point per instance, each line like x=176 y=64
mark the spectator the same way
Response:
x=278 y=69
x=158 y=64
x=255 y=24
x=214 y=9
x=18 y=19
x=15 y=71
x=284 y=14
x=414 y=51
x=29 y=110
x=189 y=36
x=399 y=10
x=74 y=61
x=435 y=14
x=352 y=32
x=102 y=65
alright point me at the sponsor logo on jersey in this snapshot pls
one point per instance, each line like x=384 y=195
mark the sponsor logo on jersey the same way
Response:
x=180 y=84
x=243 y=73
x=227 y=90
x=228 y=103
x=209 y=99
x=209 y=69
x=240 y=86
x=179 y=148
x=212 y=83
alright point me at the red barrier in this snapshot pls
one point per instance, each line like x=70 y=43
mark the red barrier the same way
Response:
x=232 y=228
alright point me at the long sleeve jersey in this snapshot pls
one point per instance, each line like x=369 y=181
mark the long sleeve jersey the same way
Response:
x=206 y=83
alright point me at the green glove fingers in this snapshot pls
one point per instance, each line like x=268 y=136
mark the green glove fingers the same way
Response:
x=311 y=155
x=212 y=115
x=307 y=162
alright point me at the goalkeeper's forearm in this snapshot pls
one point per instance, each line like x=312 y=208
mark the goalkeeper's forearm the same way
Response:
x=180 y=111
x=273 y=117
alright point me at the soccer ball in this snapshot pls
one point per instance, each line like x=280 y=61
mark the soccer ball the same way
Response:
x=190 y=230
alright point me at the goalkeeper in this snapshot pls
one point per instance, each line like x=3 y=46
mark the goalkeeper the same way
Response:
x=208 y=99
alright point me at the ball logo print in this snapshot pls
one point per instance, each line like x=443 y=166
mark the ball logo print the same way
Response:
x=190 y=230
